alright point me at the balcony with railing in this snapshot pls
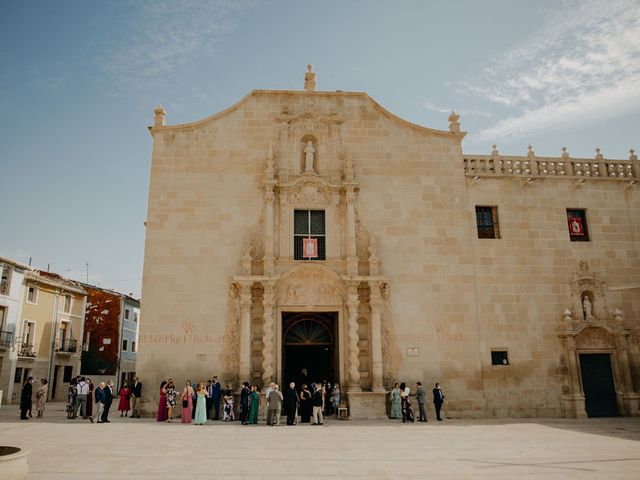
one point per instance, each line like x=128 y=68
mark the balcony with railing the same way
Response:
x=27 y=350
x=6 y=339
x=67 y=346
x=532 y=166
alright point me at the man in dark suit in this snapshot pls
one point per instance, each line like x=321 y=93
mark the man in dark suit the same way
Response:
x=136 y=398
x=421 y=397
x=26 y=399
x=216 y=394
x=209 y=397
x=291 y=403
x=438 y=400
x=245 y=393
x=108 y=400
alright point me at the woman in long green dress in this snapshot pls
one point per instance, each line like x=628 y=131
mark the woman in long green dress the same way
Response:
x=201 y=408
x=396 y=411
x=254 y=403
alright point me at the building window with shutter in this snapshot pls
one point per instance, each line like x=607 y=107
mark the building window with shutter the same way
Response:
x=309 y=235
x=487 y=221
x=577 y=223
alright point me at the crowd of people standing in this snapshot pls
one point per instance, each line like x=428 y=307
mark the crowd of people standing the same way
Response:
x=401 y=407
x=203 y=401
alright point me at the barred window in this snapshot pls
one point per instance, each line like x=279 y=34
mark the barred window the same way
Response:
x=487 y=221
x=577 y=223
x=309 y=235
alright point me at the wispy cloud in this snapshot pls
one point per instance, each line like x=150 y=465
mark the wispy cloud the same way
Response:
x=462 y=111
x=166 y=41
x=581 y=65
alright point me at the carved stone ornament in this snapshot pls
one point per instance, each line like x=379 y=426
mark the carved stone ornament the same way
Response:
x=308 y=193
x=588 y=299
x=595 y=338
x=310 y=286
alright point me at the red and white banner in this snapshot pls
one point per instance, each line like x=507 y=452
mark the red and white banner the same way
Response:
x=310 y=247
x=575 y=226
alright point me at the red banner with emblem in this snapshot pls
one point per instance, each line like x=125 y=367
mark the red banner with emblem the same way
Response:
x=575 y=226
x=310 y=247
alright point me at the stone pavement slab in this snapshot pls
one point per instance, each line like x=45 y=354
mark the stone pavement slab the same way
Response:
x=478 y=449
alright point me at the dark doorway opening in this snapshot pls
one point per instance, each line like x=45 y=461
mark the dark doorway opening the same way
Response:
x=597 y=384
x=309 y=347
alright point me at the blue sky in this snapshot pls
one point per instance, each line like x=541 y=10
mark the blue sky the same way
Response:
x=79 y=80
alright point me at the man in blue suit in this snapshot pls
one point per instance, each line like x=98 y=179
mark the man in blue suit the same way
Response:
x=216 y=394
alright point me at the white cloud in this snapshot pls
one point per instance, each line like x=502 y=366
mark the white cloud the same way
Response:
x=168 y=40
x=461 y=111
x=582 y=65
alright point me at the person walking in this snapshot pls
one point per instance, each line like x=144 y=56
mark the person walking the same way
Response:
x=108 y=400
x=71 y=399
x=124 y=404
x=396 y=409
x=305 y=405
x=187 y=402
x=254 y=405
x=245 y=393
x=171 y=400
x=41 y=396
x=438 y=400
x=26 y=399
x=100 y=399
x=291 y=403
x=162 y=403
x=136 y=398
x=275 y=406
x=81 y=398
x=216 y=394
x=201 y=406
x=421 y=398
x=316 y=401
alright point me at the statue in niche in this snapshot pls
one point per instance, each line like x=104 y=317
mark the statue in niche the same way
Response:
x=308 y=157
x=587 y=308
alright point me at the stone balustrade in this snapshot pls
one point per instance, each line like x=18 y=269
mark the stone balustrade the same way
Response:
x=533 y=166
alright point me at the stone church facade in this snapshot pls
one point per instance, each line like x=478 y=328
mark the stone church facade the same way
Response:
x=304 y=235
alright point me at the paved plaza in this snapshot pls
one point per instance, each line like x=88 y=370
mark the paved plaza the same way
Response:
x=478 y=449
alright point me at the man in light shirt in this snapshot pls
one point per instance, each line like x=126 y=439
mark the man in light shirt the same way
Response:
x=82 y=390
x=271 y=387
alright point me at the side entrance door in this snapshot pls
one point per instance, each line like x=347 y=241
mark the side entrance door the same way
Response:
x=597 y=384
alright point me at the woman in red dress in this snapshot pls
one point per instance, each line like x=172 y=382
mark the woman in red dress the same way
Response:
x=163 y=413
x=125 y=394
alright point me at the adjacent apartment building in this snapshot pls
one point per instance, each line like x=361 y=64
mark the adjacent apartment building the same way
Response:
x=50 y=326
x=110 y=340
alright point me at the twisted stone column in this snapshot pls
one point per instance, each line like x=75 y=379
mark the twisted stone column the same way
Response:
x=244 y=369
x=267 y=335
x=375 y=303
x=354 y=347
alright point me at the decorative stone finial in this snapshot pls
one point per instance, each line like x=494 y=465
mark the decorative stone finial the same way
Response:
x=599 y=156
x=530 y=152
x=454 y=124
x=495 y=151
x=618 y=316
x=310 y=79
x=565 y=154
x=567 y=317
x=159 y=116
x=632 y=155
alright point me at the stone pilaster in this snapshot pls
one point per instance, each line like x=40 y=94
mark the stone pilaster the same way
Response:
x=354 y=348
x=244 y=367
x=352 y=259
x=268 y=334
x=375 y=304
x=268 y=230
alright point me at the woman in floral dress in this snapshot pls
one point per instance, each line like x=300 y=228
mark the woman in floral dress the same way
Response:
x=396 y=409
x=171 y=400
